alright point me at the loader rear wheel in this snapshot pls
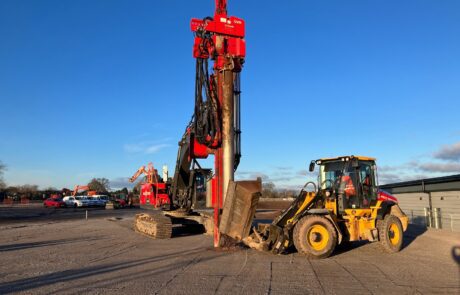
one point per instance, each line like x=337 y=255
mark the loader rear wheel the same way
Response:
x=390 y=233
x=315 y=236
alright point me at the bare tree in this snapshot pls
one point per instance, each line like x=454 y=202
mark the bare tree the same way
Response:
x=28 y=188
x=269 y=190
x=51 y=189
x=99 y=185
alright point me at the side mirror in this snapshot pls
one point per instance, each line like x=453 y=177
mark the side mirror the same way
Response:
x=312 y=166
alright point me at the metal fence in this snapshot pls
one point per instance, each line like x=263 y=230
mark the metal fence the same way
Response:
x=434 y=218
x=418 y=217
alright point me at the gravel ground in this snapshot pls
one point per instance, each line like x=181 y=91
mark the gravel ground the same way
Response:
x=102 y=256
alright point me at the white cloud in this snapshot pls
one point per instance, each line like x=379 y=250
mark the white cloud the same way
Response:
x=145 y=147
x=302 y=172
x=284 y=168
x=155 y=148
x=121 y=182
x=449 y=152
x=440 y=167
x=132 y=148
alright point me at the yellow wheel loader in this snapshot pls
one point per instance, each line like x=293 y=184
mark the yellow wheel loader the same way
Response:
x=345 y=206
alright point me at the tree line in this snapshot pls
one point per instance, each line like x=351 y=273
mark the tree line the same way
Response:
x=269 y=190
x=102 y=185
x=32 y=191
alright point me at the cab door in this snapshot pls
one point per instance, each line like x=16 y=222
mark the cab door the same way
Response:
x=367 y=184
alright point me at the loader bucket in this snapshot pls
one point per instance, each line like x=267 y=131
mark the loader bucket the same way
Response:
x=239 y=208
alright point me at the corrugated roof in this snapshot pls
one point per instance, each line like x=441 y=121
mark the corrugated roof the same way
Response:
x=444 y=183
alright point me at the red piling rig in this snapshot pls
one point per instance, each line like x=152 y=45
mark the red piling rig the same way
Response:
x=221 y=39
x=152 y=190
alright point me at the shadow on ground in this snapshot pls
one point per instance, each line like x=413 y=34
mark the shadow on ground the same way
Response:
x=412 y=233
x=23 y=246
x=188 y=230
x=188 y=258
x=456 y=254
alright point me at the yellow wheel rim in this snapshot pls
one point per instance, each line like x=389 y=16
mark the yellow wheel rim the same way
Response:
x=394 y=234
x=318 y=237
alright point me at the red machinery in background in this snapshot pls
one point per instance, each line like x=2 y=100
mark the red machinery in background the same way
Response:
x=153 y=191
x=83 y=188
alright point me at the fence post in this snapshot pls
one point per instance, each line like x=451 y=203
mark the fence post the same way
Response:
x=451 y=222
x=436 y=217
x=427 y=216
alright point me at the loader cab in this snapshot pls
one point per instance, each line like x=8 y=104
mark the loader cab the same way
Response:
x=349 y=181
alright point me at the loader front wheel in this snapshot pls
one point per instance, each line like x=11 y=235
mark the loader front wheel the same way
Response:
x=315 y=236
x=390 y=233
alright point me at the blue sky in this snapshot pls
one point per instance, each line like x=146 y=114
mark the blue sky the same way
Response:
x=99 y=88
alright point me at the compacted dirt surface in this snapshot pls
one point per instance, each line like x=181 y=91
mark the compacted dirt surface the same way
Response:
x=103 y=255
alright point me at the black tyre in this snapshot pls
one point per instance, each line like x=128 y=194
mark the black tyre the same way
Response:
x=315 y=236
x=390 y=233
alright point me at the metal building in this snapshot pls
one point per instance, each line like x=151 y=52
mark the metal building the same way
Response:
x=434 y=202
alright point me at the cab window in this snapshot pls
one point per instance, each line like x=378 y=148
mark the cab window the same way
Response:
x=367 y=183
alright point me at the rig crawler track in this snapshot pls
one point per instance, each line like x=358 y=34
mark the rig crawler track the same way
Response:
x=156 y=226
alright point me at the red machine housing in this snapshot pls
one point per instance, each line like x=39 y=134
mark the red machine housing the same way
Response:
x=385 y=196
x=154 y=194
x=228 y=36
x=221 y=24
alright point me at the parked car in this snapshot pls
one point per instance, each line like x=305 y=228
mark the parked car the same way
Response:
x=78 y=201
x=70 y=201
x=115 y=203
x=53 y=202
x=84 y=200
x=102 y=197
x=122 y=202
x=91 y=202
x=95 y=201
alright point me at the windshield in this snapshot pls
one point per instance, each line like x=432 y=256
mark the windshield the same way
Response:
x=330 y=173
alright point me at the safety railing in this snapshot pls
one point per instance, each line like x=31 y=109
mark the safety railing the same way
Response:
x=434 y=218
x=418 y=216
x=454 y=222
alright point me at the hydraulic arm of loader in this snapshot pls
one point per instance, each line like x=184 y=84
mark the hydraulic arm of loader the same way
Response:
x=275 y=236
